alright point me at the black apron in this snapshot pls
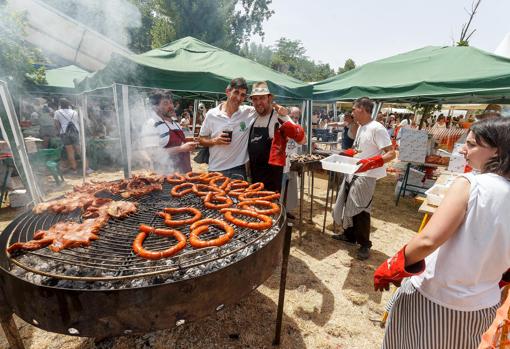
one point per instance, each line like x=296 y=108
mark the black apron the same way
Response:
x=259 y=148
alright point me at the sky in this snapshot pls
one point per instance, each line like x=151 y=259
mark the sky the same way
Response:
x=366 y=30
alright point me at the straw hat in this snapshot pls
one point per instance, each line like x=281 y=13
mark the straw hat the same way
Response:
x=260 y=89
x=491 y=111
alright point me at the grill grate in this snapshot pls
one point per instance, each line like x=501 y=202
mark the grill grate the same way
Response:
x=110 y=258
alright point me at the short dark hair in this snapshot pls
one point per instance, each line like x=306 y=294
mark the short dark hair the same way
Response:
x=64 y=103
x=159 y=95
x=366 y=103
x=495 y=133
x=238 y=83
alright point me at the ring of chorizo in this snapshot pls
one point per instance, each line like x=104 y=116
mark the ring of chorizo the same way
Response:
x=176 y=190
x=194 y=176
x=211 y=197
x=259 y=195
x=273 y=208
x=265 y=222
x=236 y=192
x=168 y=211
x=155 y=255
x=202 y=226
x=211 y=175
x=204 y=189
x=237 y=184
x=256 y=187
x=223 y=185
x=175 y=178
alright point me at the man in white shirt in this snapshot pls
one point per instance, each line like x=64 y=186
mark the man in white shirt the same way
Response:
x=225 y=131
x=373 y=147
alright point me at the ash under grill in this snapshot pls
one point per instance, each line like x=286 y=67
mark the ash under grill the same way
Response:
x=109 y=262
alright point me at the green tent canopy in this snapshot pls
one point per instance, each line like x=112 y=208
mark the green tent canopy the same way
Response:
x=427 y=75
x=190 y=65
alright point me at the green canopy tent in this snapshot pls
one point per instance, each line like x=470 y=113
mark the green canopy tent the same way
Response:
x=61 y=80
x=192 y=68
x=427 y=75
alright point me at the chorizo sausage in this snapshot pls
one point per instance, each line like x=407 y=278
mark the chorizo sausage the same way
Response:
x=215 y=180
x=154 y=255
x=206 y=178
x=237 y=184
x=256 y=187
x=273 y=208
x=259 y=195
x=194 y=176
x=203 y=189
x=167 y=215
x=176 y=190
x=211 y=197
x=202 y=226
x=264 y=221
x=175 y=178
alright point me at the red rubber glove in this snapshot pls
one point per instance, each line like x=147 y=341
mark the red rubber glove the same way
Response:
x=505 y=279
x=370 y=163
x=277 y=155
x=349 y=152
x=293 y=131
x=393 y=271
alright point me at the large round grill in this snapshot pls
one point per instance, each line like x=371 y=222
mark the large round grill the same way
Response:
x=111 y=259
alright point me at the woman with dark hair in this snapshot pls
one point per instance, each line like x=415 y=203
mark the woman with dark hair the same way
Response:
x=454 y=265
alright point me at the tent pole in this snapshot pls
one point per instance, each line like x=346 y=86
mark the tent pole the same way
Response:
x=302 y=114
x=11 y=132
x=309 y=125
x=122 y=132
x=127 y=126
x=334 y=110
x=82 y=115
x=377 y=108
x=195 y=110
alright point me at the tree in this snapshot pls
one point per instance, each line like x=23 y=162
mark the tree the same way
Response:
x=223 y=23
x=464 y=36
x=257 y=52
x=17 y=58
x=289 y=58
x=348 y=65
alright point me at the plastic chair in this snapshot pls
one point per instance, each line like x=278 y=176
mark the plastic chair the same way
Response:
x=50 y=158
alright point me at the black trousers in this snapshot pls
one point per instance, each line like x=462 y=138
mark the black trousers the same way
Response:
x=360 y=230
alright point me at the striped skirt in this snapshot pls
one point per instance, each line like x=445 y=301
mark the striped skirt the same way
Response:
x=415 y=322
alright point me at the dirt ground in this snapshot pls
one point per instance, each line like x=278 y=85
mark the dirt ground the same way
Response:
x=330 y=302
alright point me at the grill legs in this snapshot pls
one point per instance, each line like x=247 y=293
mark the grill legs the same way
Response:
x=8 y=325
x=283 y=281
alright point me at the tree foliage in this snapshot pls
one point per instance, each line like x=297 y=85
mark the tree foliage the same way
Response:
x=289 y=58
x=223 y=23
x=348 y=65
x=17 y=58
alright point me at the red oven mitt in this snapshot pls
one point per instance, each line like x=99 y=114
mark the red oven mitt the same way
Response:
x=393 y=270
x=370 y=163
x=277 y=156
x=505 y=279
x=293 y=131
x=349 y=152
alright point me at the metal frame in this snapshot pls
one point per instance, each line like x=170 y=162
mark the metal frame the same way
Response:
x=14 y=137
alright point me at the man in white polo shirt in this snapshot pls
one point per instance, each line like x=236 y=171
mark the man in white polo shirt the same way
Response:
x=229 y=154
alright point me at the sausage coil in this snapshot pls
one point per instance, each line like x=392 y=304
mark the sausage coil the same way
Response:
x=202 y=226
x=265 y=222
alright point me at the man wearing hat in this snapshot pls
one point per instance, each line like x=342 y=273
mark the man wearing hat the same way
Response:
x=268 y=138
x=491 y=111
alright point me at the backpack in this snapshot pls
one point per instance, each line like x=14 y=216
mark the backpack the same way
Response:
x=71 y=131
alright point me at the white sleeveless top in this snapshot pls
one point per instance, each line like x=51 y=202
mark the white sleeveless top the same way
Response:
x=463 y=273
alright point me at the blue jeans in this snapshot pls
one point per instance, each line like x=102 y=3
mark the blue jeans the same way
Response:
x=238 y=172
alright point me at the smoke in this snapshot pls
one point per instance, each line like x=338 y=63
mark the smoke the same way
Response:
x=112 y=18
